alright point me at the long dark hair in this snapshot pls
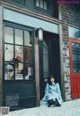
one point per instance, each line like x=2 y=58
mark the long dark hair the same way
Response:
x=49 y=78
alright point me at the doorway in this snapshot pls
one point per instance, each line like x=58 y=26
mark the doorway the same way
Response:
x=51 y=58
x=74 y=51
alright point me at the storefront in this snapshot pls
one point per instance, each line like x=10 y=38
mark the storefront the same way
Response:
x=33 y=46
x=28 y=57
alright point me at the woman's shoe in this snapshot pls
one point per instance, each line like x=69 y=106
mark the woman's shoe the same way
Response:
x=50 y=102
x=56 y=103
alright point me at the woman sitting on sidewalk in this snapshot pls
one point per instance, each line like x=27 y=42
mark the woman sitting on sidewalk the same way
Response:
x=52 y=93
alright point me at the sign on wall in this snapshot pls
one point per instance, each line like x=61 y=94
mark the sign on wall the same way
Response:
x=26 y=20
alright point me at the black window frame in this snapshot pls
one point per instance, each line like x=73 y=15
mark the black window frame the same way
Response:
x=24 y=28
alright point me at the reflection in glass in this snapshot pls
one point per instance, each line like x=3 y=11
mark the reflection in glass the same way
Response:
x=27 y=38
x=9 y=71
x=18 y=69
x=30 y=73
x=9 y=52
x=27 y=71
x=41 y=3
x=27 y=54
x=19 y=53
x=37 y=3
x=18 y=36
x=8 y=36
x=45 y=5
x=16 y=66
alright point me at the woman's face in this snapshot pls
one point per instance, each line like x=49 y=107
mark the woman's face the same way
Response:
x=52 y=79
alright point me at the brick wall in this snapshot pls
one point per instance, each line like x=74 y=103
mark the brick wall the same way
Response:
x=70 y=15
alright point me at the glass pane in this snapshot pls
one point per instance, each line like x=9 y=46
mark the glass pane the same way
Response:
x=37 y=3
x=9 y=71
x=18 y=71
x=76 y=57
x=8 y=35
x=18 y=37
x=27 y=39
x=27 y=72
x=27 y=54
x=41 y=3
x=9 y=52
x=19 y=53
x=45 y=5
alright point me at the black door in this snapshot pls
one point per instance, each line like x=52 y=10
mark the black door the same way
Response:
x=18 y=66
x=51 y=59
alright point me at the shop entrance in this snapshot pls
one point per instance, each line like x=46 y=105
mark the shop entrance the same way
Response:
x=51 y=58
x=74 y=50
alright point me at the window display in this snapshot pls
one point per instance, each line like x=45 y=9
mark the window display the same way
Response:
x=9 y=52
x=28 y=54
x=17 y=54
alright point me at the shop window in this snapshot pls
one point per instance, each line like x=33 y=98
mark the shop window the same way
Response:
x=42 y=4
x=18 y=64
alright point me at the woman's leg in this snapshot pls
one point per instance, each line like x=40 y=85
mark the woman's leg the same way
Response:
x=56 y=102
x=50 y=102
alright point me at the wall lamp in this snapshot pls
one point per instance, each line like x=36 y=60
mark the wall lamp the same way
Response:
x=40 y=34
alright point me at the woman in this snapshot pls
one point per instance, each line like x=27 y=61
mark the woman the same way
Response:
x=52 y=93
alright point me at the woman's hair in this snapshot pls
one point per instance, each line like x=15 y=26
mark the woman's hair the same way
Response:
x=49 y=78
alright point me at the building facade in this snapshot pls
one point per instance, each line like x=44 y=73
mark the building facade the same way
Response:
x=38 y=38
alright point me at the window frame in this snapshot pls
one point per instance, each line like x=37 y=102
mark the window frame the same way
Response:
x=38 y=7
x=23 y=28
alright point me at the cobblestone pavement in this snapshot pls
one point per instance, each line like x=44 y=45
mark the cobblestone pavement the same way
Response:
x=70 y=108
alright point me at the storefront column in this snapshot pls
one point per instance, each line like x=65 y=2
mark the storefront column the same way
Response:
x=1 y=55
x=61 y=55
x=37 y=72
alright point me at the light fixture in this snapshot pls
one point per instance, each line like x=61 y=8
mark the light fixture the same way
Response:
x=40 y=34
